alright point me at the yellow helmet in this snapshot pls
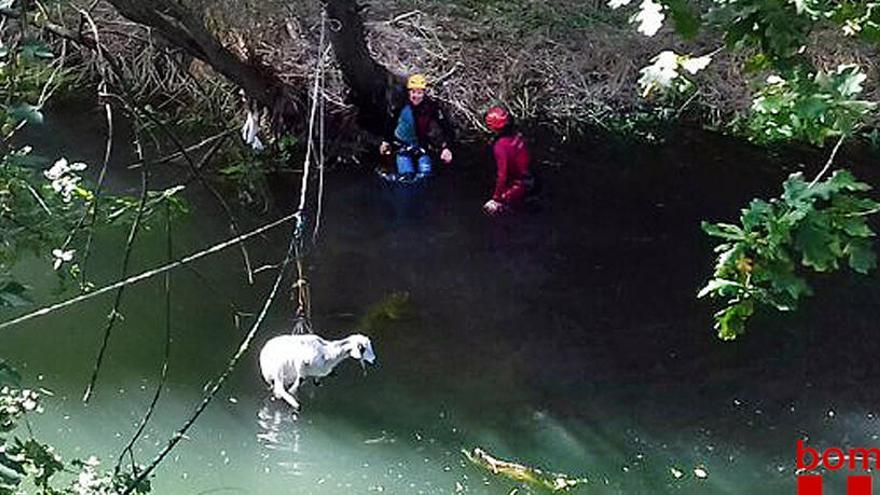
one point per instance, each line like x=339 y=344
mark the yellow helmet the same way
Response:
x=417 y=81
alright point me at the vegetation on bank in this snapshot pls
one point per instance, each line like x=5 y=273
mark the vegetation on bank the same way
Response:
x=28 y=463
x=772 y=71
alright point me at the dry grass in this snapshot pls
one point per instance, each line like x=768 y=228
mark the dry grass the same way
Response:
x=558 y=61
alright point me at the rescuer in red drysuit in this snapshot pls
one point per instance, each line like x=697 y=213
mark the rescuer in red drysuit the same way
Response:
x=513 y=181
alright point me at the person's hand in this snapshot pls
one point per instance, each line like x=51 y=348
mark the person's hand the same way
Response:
x=493 y=207
x=385 y=148
x=446 y=155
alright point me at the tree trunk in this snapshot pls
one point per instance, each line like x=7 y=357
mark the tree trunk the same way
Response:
x=371 y=84
x=187 y=30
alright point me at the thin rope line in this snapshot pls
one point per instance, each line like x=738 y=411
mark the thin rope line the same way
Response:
x=310 y=140
x=147 y=274
x=321 y=160
x=303 y=299
x=233 y=362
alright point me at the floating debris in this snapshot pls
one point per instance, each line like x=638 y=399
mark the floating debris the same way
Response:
x=520 y=473
x=394 y=307
x=701 y=473
x=676 y=473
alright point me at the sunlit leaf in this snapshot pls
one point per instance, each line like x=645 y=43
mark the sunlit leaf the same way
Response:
x=719 y=285
x=723 y=230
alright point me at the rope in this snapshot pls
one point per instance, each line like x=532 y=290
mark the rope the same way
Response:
x=294 y=253
x=321 y=160
x=304 y=309
x=233 y=362
x=147 y=274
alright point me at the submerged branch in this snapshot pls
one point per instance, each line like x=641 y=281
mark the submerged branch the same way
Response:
x=520 y=473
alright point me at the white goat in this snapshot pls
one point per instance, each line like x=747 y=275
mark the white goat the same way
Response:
x=286 y=360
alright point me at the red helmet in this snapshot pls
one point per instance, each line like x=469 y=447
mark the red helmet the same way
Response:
x=497 y=118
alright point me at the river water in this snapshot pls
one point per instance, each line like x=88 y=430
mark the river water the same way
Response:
x=568 y=338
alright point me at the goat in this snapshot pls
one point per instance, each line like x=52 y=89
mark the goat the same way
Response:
x=286 y=360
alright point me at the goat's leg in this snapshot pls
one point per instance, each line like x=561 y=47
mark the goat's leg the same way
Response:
x=280 y=393
x=295 y=386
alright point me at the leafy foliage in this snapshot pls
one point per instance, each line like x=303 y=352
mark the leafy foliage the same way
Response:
x=810 y=107
x=46 y=207
x=762 y=260
x=811 y=226
x=798 y=101
x=29 y=462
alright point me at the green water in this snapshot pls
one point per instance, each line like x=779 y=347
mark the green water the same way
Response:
x=567 y=339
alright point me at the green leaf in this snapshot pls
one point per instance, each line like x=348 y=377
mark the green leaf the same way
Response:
x=756 y=214
x=843 y=180
x=850 y=81
x=795 y=188
x=861 y=257
x=817 y=245
x=724 y=231
x=721 y=287
x=784 y=280
x=757 y=63
x=23 y=111
x=854 y=226
x=731 y=321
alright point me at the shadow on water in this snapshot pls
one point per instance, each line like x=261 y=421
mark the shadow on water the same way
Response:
x=568 y=337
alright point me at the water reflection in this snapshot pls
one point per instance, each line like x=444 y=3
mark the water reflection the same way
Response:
x=280 y=436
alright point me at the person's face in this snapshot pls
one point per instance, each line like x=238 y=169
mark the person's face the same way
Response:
x=416 y=96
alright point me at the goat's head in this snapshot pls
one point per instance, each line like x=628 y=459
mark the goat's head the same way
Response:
x=361 y=348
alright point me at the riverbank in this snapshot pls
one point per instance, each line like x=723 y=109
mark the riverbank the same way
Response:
x=566 y=63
